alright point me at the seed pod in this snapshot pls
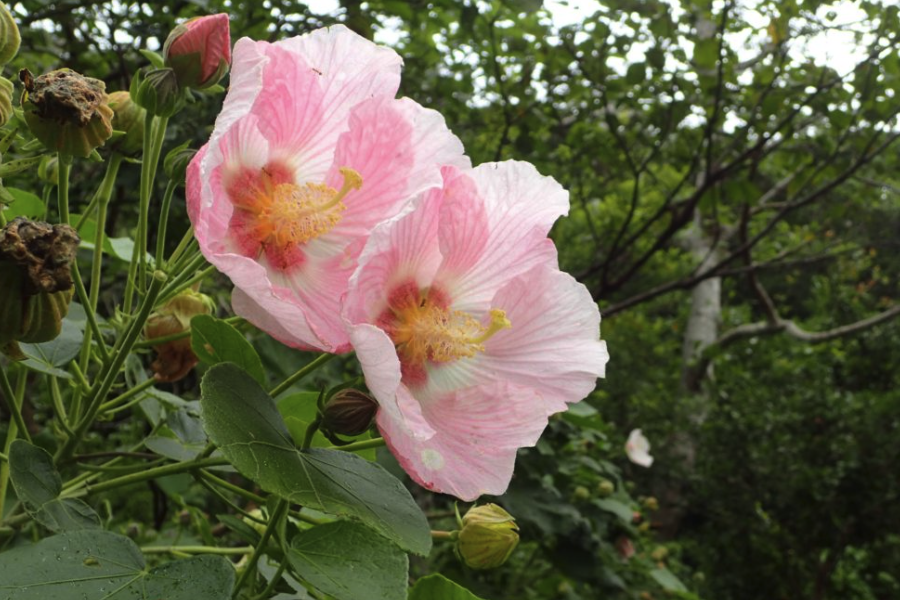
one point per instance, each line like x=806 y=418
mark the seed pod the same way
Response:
x=66 y=111
x=6 y=100
x=9 y=36
x=175 y=358
x=127 y=117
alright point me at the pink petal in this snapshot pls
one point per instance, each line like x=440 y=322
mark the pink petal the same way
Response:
x=279 y=318
x=245 y=83
x=326 y=74
x=398 y=148
x=485 y=247
x=399 y=251
x=553 y=345
x=477 y=433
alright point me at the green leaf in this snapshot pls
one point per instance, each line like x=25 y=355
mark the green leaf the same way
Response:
x=350 y=562
x=101 y=564
x=47 y=357
x=242 y=420
x=15 y=166
x=438 y=587
x=25 y=204
x=620 y=509
x=120 y=248
x=667 y=581
x=214 y=341
x=38 y=486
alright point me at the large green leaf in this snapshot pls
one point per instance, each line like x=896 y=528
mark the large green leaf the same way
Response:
x=214 y=341
x=242 y=420
x=667 y=580
x=38 y=486
x=350 y=562
x=47 y=357
x=438 y=587
x=26 y=204
x=101 y=564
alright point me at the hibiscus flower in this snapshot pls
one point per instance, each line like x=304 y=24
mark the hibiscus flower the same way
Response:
x=467 y=332
x=311 y=150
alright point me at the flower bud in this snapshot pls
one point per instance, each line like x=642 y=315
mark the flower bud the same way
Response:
x=650 y=503
x=48 y=170
x=605 y=488
x=199 y=51
x=129 y=118
x=488 y=537
x=175 y=358
x=66 y=111
x=6 y=100
x=176 y=162
x=35 y=271
x=9 y=36
x=349 y=412
x=159 y=93
x=581 y=494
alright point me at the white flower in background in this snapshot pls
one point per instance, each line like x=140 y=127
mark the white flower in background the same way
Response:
x=638 y=449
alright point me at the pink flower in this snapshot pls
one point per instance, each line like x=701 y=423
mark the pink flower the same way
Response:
x=199 y=51
x=310 y=151
x=468 y=334
x=638 y=449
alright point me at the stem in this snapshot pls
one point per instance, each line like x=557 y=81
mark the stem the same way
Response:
x=14 y=406
x=361 y=445
x=146 y=475
x=89 y=314
x=111 y=372
x=311 y=430
x=281 y=507
x=104 y=193
x=303 y=372
x=182 y=245
x=11 y=434
x=443 y=535
x=125 y=396
x=184 y=273
x=45 y=196
x=196 y=550
x=181 y=286
x=62 y=190
x=236 y=321
x=267 y=592
x=163 y=222
x=4 y=457
x=246 y=494
x=61 y=413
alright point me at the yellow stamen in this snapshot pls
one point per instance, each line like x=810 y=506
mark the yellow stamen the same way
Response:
x=352 y=181
x=498 y=323
x=430 y=332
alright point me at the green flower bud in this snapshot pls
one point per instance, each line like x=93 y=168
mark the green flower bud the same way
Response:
x=176 y=162
x=605 y=488
x=488 y=537
x=650 y=503
x=35 y=281
x=48 y=170
x=349 y=412
x=66 y=111
x=581 y=494
x=158 y=92
x=127 y=117
x=6 y=100
x=176 y=358
x=9 y=36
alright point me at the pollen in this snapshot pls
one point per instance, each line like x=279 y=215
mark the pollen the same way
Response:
x=431 y=332
x=284 y=215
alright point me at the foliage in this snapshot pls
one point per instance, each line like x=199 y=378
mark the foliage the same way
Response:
x=700 y=142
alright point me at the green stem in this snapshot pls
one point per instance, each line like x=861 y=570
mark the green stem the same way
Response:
x=196 y=550
x=3 y=457
x=246 y=494
x=14 y=406
x=183 y=274
x=236 y=321
x=62 y=190
x=311 y=430
x=45 y=196
x=300 y=374
x=104 y=193
x=126 y=395
x=278 y=513
x=11 y=433
x=443 y=535
x=145 y=475
x=361 y=445
x=267 y=592
x=163 y=222
x=183 y=285
x=111 y=372
x=182 y=246
x=61 y=413
x=89 y=314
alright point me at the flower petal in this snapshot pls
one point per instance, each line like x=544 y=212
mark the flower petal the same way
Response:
x=484 y=250
x=279 y=318
x=553 y=345
x=323 y=75
x=477 y=433
x=398 y=147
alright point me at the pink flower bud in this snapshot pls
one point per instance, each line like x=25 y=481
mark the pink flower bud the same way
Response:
x=199 y=51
